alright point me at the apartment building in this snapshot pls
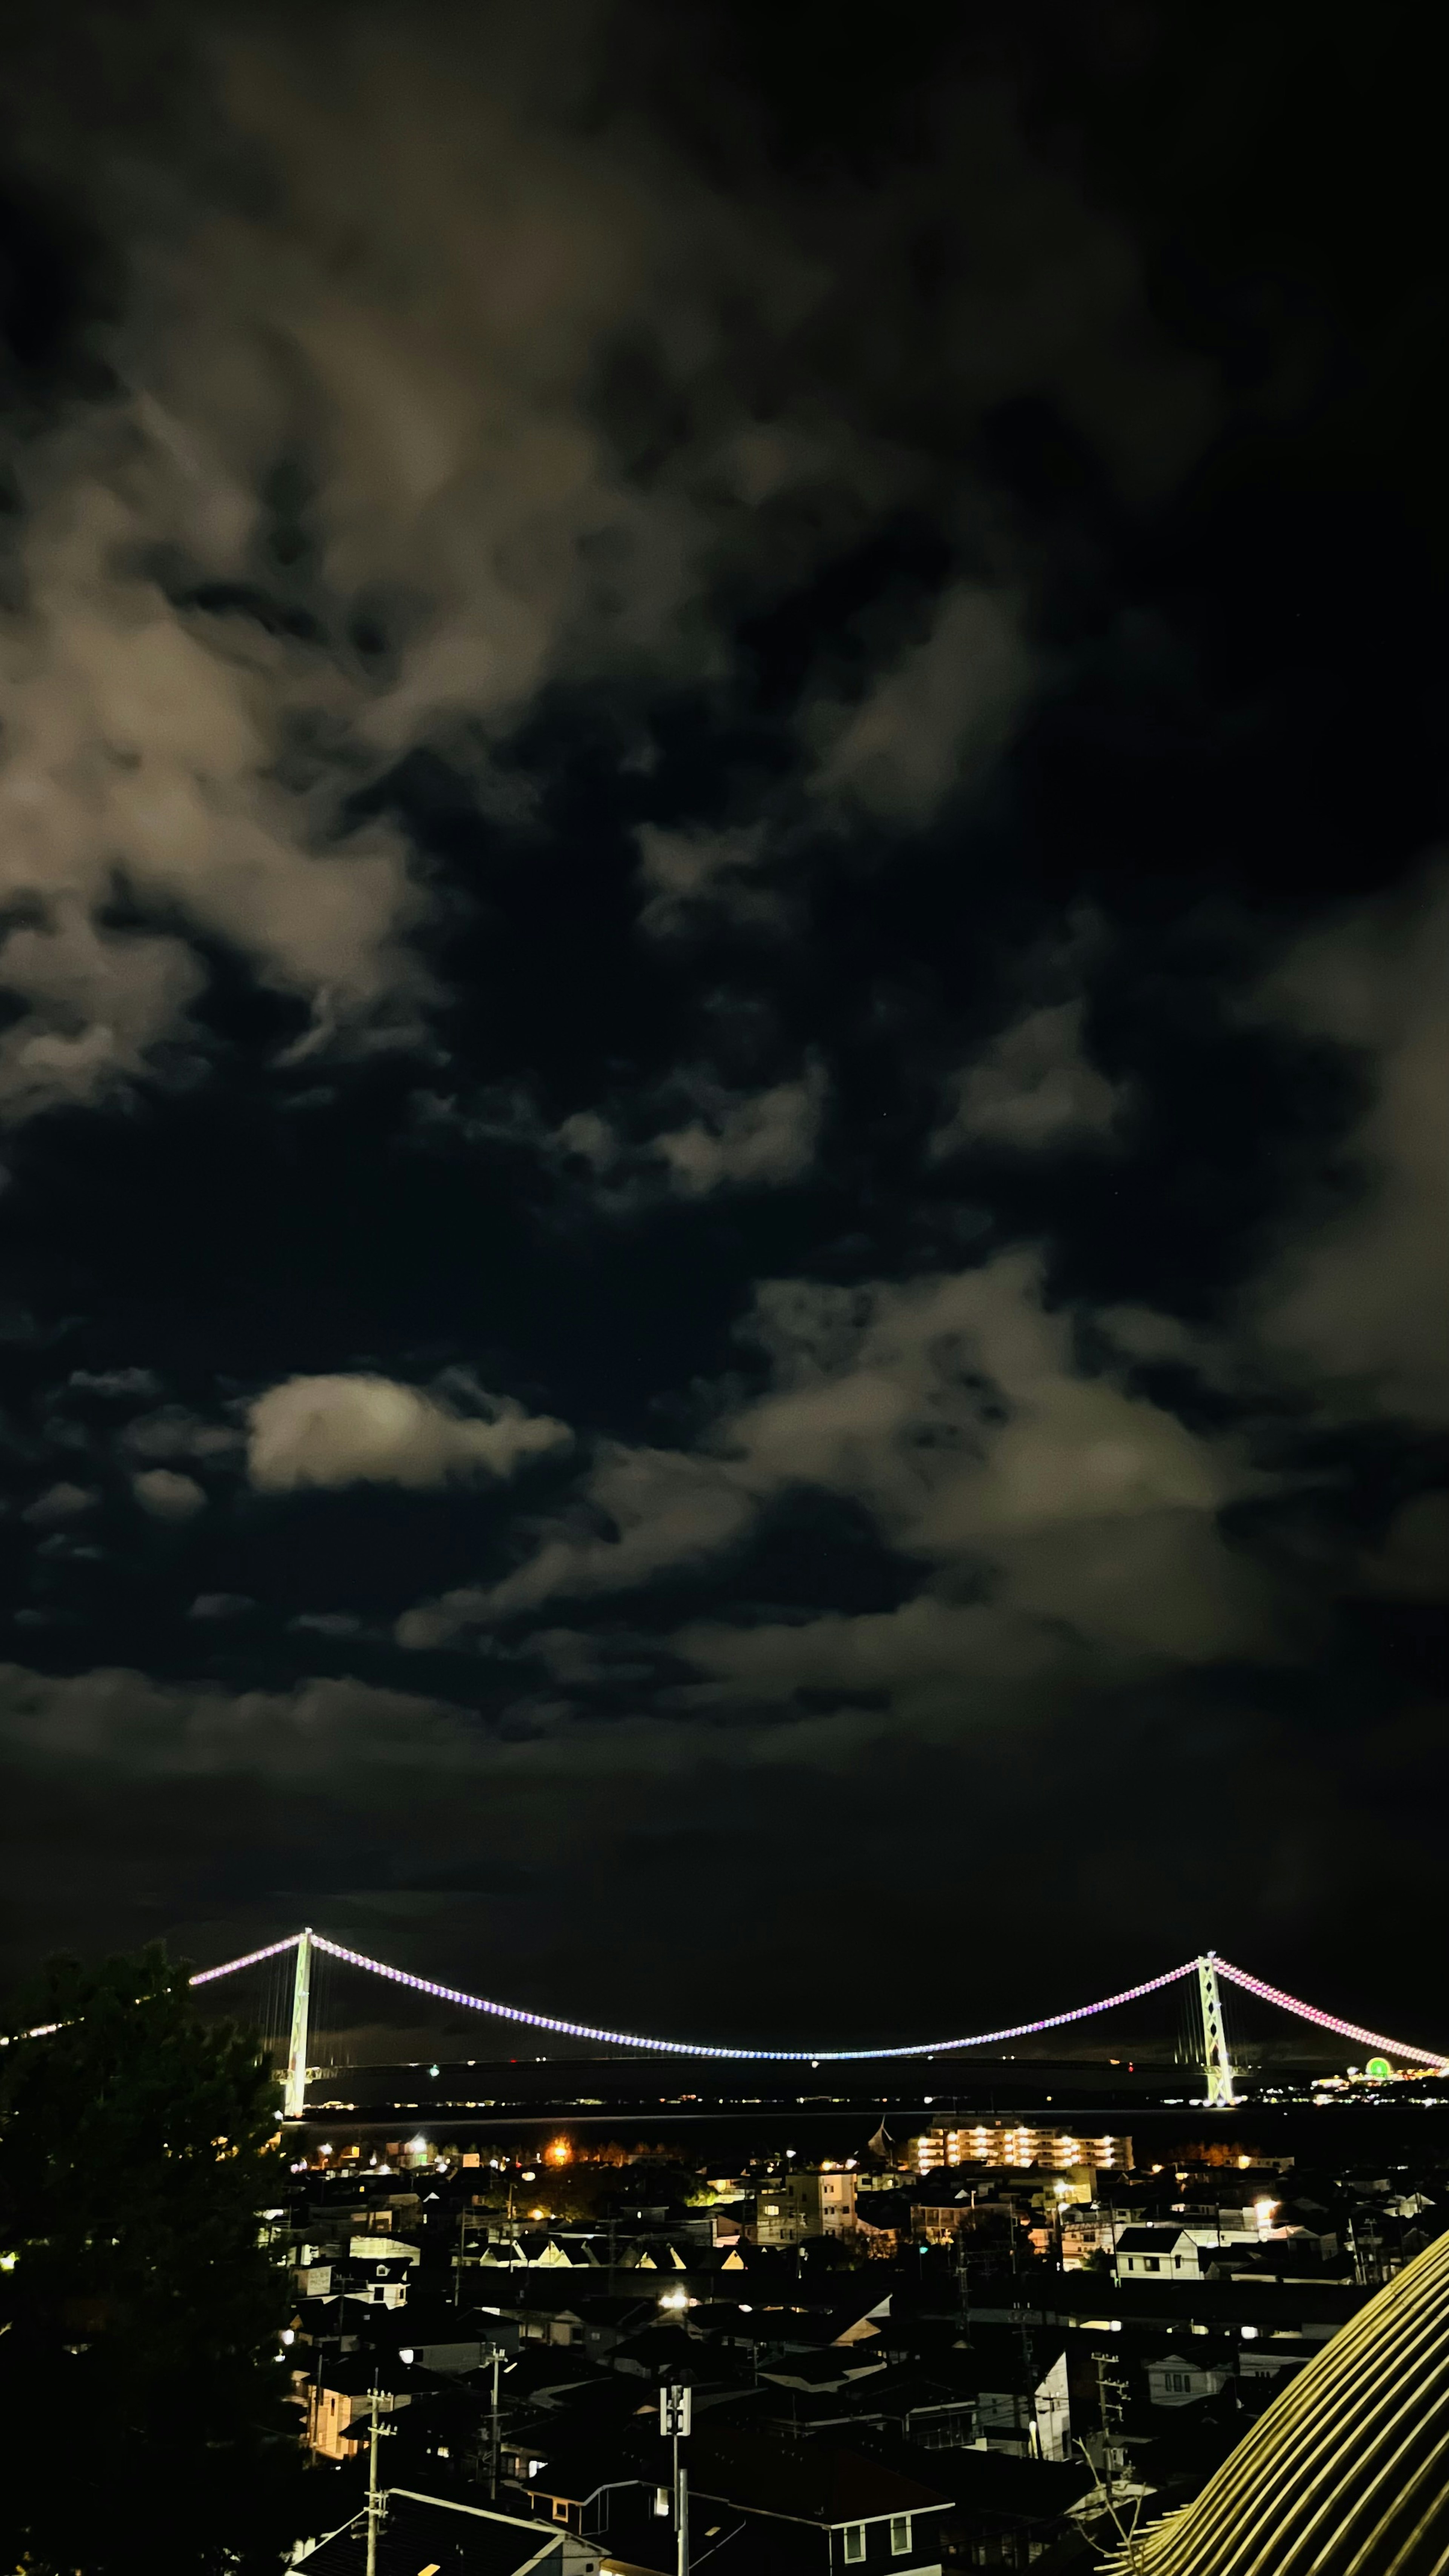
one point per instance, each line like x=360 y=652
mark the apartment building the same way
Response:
x=997 y=2142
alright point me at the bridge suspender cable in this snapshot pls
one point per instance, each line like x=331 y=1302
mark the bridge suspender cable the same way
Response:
x=1207 y=1968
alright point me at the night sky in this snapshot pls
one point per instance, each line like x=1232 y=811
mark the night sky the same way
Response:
x=724 y=1275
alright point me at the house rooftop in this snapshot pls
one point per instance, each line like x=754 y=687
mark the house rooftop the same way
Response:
x=803 y=2481
x=417 y=2535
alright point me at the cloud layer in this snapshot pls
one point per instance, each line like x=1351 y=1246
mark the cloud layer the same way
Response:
x=954 y=1412
x=428 y=391
x=722 y=985
x=334 y=1431
x=1360 y=1299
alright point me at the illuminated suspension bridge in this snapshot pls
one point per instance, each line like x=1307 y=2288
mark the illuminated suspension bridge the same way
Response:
x=1207 y=1969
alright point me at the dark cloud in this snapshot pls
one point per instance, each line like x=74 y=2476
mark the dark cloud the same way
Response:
x=1360 y=1297
x=724 y=994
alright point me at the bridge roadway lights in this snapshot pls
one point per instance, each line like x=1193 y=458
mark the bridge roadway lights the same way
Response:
x=1209 y=1967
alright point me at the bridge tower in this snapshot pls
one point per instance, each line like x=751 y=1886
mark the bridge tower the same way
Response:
x=1216 y=2068
x=294 y=2097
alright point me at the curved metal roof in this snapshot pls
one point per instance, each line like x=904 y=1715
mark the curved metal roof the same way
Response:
x=1347 y=2473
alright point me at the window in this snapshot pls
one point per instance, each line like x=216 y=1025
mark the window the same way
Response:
x=900 y=2535
x=854 y=2543
x=1151 y=2263
x=1178 y=2382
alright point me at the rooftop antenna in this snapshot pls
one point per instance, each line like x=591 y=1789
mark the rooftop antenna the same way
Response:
x=294 y=2097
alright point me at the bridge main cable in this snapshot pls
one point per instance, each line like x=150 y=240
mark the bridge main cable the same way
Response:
x=1329 y=2021
x=691 y=2047
x=249 y=1959
x=802 y=2056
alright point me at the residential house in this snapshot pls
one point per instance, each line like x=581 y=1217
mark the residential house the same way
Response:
x=843 y=2508
x=379 y=2280
x=1156 y=2253
x=441 y=2537
x=816 y=2200
x=941 y=2208
x=340 y=2404
x=587 y=2487
x=1183 y=2378
x=1023 y=2404
x=1004 y=2512
x=882 y=2221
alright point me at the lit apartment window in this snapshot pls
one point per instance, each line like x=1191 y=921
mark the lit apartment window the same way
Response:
x=900 y=2535
x=854 y=2543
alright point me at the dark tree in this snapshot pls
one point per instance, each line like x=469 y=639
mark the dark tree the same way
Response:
x=143 y=2386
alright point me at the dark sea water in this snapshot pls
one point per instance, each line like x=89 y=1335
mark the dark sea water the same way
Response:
x=699 y=2113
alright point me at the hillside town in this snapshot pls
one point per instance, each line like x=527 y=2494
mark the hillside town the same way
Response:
x=606 y=2362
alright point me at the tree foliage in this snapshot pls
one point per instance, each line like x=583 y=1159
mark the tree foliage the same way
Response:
x=143 y=2384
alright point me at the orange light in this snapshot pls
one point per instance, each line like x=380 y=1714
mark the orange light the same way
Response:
x=559 y=2152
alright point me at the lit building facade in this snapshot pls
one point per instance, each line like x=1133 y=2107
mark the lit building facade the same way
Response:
x=994 y=2142
x=820 y=2201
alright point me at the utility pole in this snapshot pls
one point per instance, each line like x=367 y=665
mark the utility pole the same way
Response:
x=376 y=2499
x=1109 y=2417
x=1110 y=2395
x=1364 y=2247
x=1217 y=2071
x=674 y=2420
x=294 y=2098
x=496 y=2357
